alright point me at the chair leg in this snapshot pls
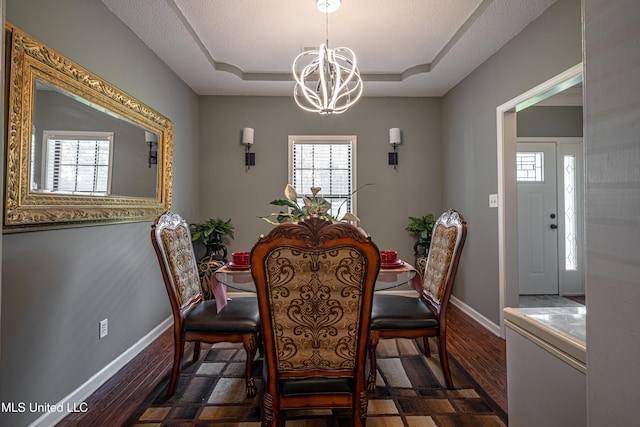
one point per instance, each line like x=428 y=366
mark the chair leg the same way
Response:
x=425 y=342
x=359 y=410
x=196 y=351
x=250 y=342
x=178 y=350
x=444 y=360
x=374 y=338
x=271 y=414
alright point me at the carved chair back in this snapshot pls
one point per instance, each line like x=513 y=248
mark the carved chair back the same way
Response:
x=449 y=234
x=315 y=281
x=171 y=239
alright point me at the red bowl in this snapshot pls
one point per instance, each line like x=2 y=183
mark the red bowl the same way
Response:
x=388 y=257
x=240 y=258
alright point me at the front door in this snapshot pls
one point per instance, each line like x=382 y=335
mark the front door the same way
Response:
x=537 y=218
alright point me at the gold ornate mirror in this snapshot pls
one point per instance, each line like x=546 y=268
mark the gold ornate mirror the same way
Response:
x=79 y=150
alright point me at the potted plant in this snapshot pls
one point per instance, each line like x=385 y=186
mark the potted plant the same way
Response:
x=210 y=233
x=422 y=228
x=314 y=205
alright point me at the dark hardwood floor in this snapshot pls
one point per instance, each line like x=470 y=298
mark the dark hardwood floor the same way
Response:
x=478 y=351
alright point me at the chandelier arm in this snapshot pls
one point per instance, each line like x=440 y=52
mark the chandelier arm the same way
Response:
x=336 y=74
x=309 y=95
x=324 y=53
x=352 y=63
x=343 y=91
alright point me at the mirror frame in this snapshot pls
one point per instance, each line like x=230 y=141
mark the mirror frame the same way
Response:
x=26 y=210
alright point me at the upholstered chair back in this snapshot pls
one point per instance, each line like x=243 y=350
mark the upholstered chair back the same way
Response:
x=315 y=281
x=447 y=240
x=173 y=241
x=316 y=302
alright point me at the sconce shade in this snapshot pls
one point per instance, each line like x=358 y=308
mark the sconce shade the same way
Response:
x=247 y=136
x=394 y=136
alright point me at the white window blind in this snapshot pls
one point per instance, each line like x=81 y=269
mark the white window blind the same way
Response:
x=328 y=164
x=78 y=163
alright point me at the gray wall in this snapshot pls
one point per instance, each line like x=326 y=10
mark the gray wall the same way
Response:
x=612 y=142
x=57 y=285
x=228 y=190
x=549 y=45
x=554 y=122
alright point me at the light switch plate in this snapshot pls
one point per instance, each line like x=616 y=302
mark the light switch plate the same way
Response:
x=104 y=328
x=493 y=200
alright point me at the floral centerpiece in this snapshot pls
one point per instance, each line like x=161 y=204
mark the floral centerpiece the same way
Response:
x=314 y=205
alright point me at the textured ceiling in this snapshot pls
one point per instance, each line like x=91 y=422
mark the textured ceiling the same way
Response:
x=403 y=47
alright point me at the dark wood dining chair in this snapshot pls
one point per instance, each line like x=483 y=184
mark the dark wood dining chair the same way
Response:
x=315 y=281
x=396 y=316
x=194 y=318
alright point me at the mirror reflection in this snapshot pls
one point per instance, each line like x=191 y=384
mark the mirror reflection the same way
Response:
x=79 y=148
x=79 y=151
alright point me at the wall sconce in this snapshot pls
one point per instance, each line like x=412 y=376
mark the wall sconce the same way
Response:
x=394 y=140
x=247 y=139
x=152 y=140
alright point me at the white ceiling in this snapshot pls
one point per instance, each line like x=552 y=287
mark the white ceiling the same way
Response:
x=403 y=47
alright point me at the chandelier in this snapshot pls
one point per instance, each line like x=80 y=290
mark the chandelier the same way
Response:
x=328 y=81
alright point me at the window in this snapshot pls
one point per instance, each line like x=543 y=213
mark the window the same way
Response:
x=529 y=166
x=327 y=162
x=77 y=162
x=570 y=213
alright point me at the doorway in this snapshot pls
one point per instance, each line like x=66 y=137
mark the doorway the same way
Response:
x=508 y=268
x=550 y=211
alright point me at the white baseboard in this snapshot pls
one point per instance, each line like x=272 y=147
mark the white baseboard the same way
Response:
x=75 y=400
x=483 y=321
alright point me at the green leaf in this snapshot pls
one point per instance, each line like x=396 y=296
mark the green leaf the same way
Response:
x=282 y=202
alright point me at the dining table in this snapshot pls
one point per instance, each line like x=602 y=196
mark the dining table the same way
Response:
x=240 y=278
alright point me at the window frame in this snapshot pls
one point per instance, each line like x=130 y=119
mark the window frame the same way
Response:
x=327 y=139
x=47 y=135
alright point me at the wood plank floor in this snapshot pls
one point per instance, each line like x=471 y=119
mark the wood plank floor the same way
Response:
x=478 y=351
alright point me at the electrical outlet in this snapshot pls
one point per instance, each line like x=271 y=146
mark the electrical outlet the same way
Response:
x=493 y=200
x=104 y=328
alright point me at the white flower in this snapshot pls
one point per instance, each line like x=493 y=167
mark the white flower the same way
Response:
x=350 y=217
x=290 y=193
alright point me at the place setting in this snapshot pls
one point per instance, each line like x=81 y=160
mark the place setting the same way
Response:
x=389 y=259
x=239 y=262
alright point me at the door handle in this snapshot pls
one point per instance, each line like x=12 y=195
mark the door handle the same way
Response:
x=553 y=226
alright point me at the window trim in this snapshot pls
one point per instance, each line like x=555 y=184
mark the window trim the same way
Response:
x=72 y=134
x=328 y=139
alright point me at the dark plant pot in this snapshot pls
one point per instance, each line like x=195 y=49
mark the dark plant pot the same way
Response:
x=421 y=252
x=215 y=248
x=421 y=248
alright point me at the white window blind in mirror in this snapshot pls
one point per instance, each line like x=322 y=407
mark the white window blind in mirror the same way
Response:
x=77 y=162
x=325 y=162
